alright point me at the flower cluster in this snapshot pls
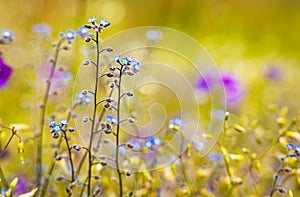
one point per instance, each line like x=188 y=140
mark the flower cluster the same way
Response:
x=57 y=127
x=69 y=35
x=112 y=120
x=84 y=98
x=175 y=124
x=129 y=65
x=82 y=31
x=7 y=37
x=293 y=150
x=98 y=27
x=5 y=72
x=102 y=24
x=151 y=143
x=107 y=126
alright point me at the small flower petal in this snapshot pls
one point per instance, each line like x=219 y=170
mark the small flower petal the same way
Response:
x=104 y=23
x=92 y=20
x=70 y=34
x=111 y=119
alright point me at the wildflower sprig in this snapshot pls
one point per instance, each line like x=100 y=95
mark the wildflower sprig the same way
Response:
x=126 y=66
x=293 y=151
x=69 y=36
x=57 y=129
x=98 y=27
x=283 y=171
x=129 y=66
x=60 y=130
x=84 y=32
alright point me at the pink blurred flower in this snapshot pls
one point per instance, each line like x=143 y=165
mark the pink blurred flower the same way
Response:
x=61 y=79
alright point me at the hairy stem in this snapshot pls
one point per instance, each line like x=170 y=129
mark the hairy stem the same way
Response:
x=118 y=135
x=70 y=156
x=43 y=114
x=94 y=115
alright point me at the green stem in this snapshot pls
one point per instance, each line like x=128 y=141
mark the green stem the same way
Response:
x=183 y=170
x=282 y=132
x=2 y=176
x=3 y=179
x=50 y=170
x=43 y=114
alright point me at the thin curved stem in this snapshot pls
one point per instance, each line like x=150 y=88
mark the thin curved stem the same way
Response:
x=51 y=167
x=282 y=132
x=118 y=135
x=70 y=156
x=182 y=168
x=3 y=179
x=43 y=114
x=94 y=115
x=50 y=170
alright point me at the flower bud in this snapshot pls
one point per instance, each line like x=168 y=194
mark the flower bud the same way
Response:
x=129 y=94
x=70 y=129
x=109 y=49
x=86 y=62
x=87 y=39
x=131 y=120
x=85 y=119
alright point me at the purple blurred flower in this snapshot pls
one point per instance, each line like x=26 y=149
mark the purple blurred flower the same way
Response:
x=21 y=186
x=273 y=72
x=42 y=28
x=5 y=72
x=4 y=154
x=203 y=82
x=233 y=87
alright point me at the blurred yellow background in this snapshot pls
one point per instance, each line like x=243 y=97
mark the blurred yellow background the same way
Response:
x=262 y=26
